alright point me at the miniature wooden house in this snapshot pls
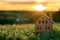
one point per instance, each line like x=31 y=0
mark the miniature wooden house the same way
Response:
x=44 y=23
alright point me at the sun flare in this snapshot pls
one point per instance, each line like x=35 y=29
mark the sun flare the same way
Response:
x=39 y=7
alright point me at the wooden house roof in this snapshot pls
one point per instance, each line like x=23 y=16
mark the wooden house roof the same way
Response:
x=43 y=14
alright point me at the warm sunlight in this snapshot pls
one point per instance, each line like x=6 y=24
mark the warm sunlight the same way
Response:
x=37 y=1
x=39 y=7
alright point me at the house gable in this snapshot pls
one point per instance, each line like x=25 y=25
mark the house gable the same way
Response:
x=43 y=18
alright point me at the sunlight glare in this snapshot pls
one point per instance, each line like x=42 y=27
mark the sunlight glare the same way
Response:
x=39 y=7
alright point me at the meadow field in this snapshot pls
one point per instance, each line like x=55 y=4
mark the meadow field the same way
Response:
x=26 y=32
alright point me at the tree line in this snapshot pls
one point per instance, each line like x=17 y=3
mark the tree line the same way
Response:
x=18 y=17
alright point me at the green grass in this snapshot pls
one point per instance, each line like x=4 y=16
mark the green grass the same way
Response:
x=25 y=32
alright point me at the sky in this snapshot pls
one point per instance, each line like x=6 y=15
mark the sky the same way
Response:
x=51 y=5
x=33 y=0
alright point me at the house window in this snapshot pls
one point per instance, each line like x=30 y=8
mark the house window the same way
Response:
x=46 y=21
x=39 y=22
x=42 y=21
x=37 y=27
x=40 y=27
x=47 y=27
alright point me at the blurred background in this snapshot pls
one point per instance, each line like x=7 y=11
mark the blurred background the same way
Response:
x=19 y=17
